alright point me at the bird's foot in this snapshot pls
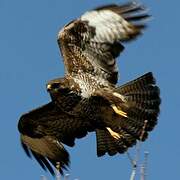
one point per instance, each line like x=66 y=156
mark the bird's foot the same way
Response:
x=119 y=111
x=113 y=134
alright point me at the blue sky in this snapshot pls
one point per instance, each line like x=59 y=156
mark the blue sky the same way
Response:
x=29 y=57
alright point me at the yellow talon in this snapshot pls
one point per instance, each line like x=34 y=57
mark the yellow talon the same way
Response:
x=118 y=111
x=113 y=134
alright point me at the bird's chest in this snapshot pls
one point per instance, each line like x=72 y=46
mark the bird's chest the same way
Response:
x=88 y=84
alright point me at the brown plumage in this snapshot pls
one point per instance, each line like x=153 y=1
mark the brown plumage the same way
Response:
x=43 y=131
x=91 y=43
x=87 y=98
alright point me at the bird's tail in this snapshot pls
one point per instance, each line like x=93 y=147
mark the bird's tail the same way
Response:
x=106 y=143
x=135 y=110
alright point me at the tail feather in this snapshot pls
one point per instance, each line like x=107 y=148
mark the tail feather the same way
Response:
x=105 y=143
x=142 y=103
x=108 y=144
x=135 y=111
x=138 y=84
x=148 y=93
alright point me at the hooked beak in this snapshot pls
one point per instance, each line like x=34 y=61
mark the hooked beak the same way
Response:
x=48 y=87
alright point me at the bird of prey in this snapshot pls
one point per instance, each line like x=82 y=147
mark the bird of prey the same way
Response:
x=88 y=98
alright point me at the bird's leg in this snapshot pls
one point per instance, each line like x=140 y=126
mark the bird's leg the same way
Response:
x=113 y=134
x=119 y=111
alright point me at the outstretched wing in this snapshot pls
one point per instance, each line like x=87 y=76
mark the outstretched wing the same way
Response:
x=43 y=131
x=91 y=43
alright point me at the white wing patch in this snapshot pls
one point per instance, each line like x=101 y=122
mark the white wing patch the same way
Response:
x=109 y=25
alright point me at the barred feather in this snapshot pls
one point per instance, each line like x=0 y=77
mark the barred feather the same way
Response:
x=139 y=100
x=142 y=104
x=92 y=42
x=107 y=144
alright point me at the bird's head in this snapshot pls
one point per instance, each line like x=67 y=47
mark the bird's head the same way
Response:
x=57 y=86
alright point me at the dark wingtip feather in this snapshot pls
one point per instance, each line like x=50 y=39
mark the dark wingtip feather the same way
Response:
x=122 y=8
x=135 y=13
x=140 y=17
x=46 y=159
x=48 y=165
x=38 y=159
x=126 y=10
x=108 y=6
x=132 y=8
x=26 y=150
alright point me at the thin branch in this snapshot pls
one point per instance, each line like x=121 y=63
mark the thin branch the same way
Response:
x=66 y=177
x=43 y=177
x=133 y=174
x=134 y=161
x=143 y=170
x=58 y=175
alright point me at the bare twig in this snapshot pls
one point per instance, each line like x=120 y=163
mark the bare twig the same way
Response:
x=143 y=170
x=66 y=177
x=58 y=175
x=134 y=161
x=133 y=174
x=43 y=177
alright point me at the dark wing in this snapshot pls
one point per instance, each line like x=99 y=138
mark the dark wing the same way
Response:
x=43 y=131
x=91 y=43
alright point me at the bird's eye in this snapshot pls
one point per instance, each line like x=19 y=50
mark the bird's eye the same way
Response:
x=53 y=86
x=58 y=88
x=64 y=91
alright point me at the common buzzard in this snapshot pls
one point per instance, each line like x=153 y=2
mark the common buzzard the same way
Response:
x=87 y=99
